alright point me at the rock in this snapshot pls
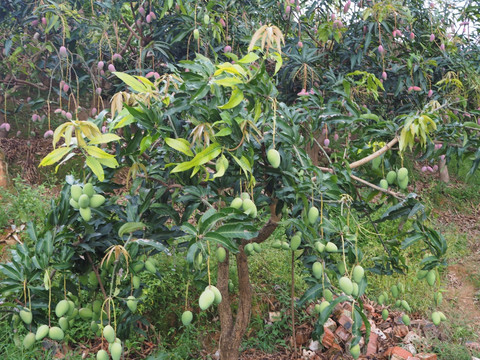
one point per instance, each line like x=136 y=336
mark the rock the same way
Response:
x=330 y=324
x=425 y=356
x=412 y=338
x=314 y=345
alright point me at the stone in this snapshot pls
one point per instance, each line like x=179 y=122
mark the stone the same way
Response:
x=343 y=334
x=412 y=338
x=314 y=345
x=345 y=321
x=411 y=348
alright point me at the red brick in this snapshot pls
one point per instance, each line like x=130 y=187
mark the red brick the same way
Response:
x=343 y=334
x=425 y=356
x=413 y=358
x=401 y=353
x=330 y=324
x=345 y=321
x=328 y=338
x=348 y=306
x=372 y=344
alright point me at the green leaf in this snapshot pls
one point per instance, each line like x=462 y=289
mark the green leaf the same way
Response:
x=98 y=153
x=228 y=81
x=130 y=227
x=237 y=231
x=104 y=138
x=222 y=240
x=201 y=158
x=249 y=58
x=235 y=99
x=181 y=145
x=55 y=156
x=131 y=81
x=96 y=167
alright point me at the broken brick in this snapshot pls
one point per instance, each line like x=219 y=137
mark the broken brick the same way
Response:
x=328 y=338
x=345 y=321
x=401 y=353
x=343 y=334
x=347 y=306
x=425 y=356
x=372 y=344
x=400 y=331
x=330 y=324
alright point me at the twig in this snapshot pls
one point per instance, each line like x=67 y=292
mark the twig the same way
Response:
x=130 y=29
x=374 y=155
x=95 y=270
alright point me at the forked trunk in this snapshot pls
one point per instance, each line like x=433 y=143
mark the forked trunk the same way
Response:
x=233 y=328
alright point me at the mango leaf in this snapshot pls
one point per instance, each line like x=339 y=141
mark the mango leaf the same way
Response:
x=249 y=58
x=131 y=81
x=237 y=231
x=181 y=145
x=104 y=138
x=201 y=158
x=55 y=156
x=222 y=240
x=228 y=81
x=110 y=163
x=98 y=153
x=58 y=133
x=130 y=227
x=235 y=99
x=96 y=167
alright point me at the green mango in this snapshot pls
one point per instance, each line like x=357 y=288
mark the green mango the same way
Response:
x=206 y=299
x=358 y=273
x=391 y=177
x=132 y=303
x=55 y=333
x=85 y=313
x=136 y=282
x=42 y=331
x=63 y=322
x=406 y=319
x=109 y=333
x=328 y=295
x=313 y=214
x=331 y=247
x=355 y=351
x=406 y=306
x=102 y=355
x=273 y=157
x=319 y=246
x=187 y=318
x=84 y=201
x=436 y=318
x=237 y=203
x=29 y=340
x=317 y=270
x=295 y=242
x=97 y=200
x=116 y=351
x=346 y=285
x=221 y=254
x=88 y=190
x=385 y=314
x=76 y=192
x=384 y=184
x=402 y=174
x=216 y=292
x=62 y=308
x=431 y=277
x=86 y=214
x=26 y=316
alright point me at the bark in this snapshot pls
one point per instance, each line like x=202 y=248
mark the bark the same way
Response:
x=444 y=171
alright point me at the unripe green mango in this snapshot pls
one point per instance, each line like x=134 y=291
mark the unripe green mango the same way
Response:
x=94 y=326
x=132 y=303
x=319 y=246
x=187 y=318
x=71 y=307
x=42 y=331
x=85 y=313
x=26 y=316
x=62 y=308
x=136 y=282
x=63 y=322
x=398 y=303
x=355 y=289
x=285 y=245
x=74 y=204
x=88 y=190
x=422 y=274
x=84 y=201
x=257 y=247
x=273 y=157
x=324 y=304
x=402 y=174
x=442 y=316
x=376 y=162
x=86 y=214
x=341 y=268
x=384 y=184
x=277 y=244
x=55 y=333
x=436 y=318
x=150 y=267
x=358 y=273
x=402 y=184
x=438 y=297
x=249 y=207
x=97 y=306
x=231 y=287
x=385 y=314
x=116 y=351
x=355 y=351
x=346 y=285
x=391 y=177
x=109 y=333
x=206 y=299
x=317 y=270
x=237 y=203
x=244 y=196
x=381 y=299
x=385 y=295
x=406 y=306
x=216 y=292
x=295 y=242
x=29 y=340
x=327 y=294
x=406 y=319
x=331 y=247
x=401 y=288
x=249 y=249
x=138 y=266
x=394 y=291
x=102 y=355
x=313 y=215
x=221 y=254
x=206 y=19
x=97 y=200
x=92 y=279
x=316 y=309
x=431 y=277
x=76 y=192
x=196 y=34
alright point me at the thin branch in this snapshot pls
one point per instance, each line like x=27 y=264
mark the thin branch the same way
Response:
x=374 y=155
x=130 y=29
x=95 y=270
x=24 y=82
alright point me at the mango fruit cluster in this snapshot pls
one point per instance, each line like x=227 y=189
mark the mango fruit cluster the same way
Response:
x=84 y=199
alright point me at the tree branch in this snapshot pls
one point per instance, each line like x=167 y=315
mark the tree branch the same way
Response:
x=375 y=154
x=24 y=82
x=130 y=29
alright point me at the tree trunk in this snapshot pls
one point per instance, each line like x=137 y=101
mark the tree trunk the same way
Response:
x=233 y=331
x=442 y=165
